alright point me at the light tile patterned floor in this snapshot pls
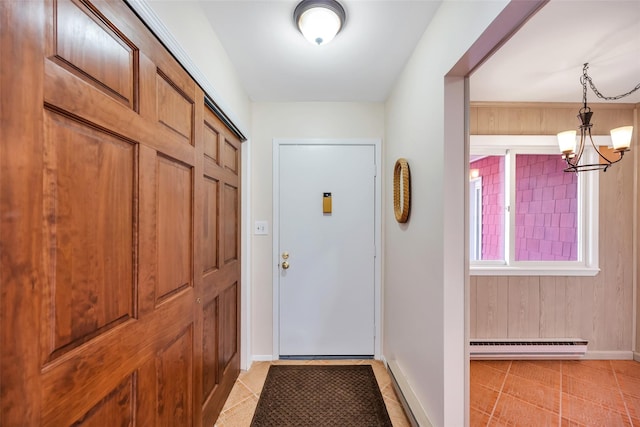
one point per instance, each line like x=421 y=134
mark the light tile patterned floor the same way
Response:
x=555 y=393
x=503 y=393
x=241 y=404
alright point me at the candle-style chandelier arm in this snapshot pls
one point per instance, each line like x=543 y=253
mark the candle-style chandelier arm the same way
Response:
x=585 y=134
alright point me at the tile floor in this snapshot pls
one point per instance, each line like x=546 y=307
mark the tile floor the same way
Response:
x=239 y=407
x=503 y=393
x=555 y=393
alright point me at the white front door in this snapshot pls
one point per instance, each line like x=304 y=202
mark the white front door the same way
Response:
x=327 y=293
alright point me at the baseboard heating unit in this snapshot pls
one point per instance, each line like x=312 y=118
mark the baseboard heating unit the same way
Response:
x=565 y=348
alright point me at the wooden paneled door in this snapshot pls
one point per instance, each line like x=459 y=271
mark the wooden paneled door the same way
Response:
x=119 y=226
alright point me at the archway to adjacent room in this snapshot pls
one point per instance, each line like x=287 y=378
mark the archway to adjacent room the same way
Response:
x=456 y=157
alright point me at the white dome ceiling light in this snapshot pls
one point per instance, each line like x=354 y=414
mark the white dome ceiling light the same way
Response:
x=319 y=20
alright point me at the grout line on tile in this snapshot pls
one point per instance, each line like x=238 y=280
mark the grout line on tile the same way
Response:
x=256 y=394
x=560 y=405
x=504 y=380
x=599 y=405
x=225 y=410
x=624 y=401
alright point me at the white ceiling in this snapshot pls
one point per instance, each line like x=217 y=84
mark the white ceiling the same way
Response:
x=541 y=63
x=276 y=63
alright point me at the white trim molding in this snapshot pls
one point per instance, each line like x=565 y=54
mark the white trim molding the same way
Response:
x=609 y=355
x=413 y=409
x=263 y=357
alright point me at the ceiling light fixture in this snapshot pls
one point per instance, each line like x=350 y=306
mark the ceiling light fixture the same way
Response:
x=319 y=20
x=620 y=137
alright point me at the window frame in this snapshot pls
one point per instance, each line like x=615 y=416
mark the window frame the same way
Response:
x=475 y=231
x=588 y=206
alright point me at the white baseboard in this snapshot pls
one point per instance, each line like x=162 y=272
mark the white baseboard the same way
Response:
x=636 y=357
x=262 y=358
x=415 y=412
x=608 y=355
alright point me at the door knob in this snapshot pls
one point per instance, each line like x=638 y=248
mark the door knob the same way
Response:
x=285 y=265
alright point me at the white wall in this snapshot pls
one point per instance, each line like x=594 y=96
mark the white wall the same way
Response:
x=290 y=120
x=423 y=291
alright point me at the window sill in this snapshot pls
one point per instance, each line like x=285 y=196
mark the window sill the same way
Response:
x=476 y=270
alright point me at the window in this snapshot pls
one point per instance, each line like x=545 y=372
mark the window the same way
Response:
x=527 y=216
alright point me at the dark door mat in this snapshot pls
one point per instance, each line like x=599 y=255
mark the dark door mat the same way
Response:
x=336 y=395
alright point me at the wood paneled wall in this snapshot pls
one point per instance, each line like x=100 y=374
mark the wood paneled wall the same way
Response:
x=496 y=118
x=599 y=308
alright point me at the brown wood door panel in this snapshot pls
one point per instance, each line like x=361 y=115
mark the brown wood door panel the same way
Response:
x=174 y=235
x=113 y=68
x=174 y=366
x=115 y=409
x=89 y=198
x=175 y=108
x=211 y=140
x=228 y=325
x=210 y=350
x=231 y=156
x=148 y=231
x=116 y=217
x=211 y=194
x=231 y=215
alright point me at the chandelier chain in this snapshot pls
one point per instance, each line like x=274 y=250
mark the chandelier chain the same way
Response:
x=586 y=78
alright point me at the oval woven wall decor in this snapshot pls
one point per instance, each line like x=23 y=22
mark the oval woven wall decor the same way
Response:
x=401 y=190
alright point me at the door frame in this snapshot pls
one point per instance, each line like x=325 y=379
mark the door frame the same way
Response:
x=377 y=309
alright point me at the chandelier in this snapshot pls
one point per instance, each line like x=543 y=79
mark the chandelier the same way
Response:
x=620 y=137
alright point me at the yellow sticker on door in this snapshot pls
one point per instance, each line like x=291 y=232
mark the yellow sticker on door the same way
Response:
x=326 y=203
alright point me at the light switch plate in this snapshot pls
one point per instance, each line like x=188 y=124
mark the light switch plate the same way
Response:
x=261 y=228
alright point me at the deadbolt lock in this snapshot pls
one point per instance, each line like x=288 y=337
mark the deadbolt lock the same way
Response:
x=285 y=255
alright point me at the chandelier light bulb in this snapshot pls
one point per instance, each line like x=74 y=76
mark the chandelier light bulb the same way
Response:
x=621 y=138
x=567 y=141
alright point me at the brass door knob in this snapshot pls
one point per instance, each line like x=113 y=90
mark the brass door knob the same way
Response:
x=285 y=265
